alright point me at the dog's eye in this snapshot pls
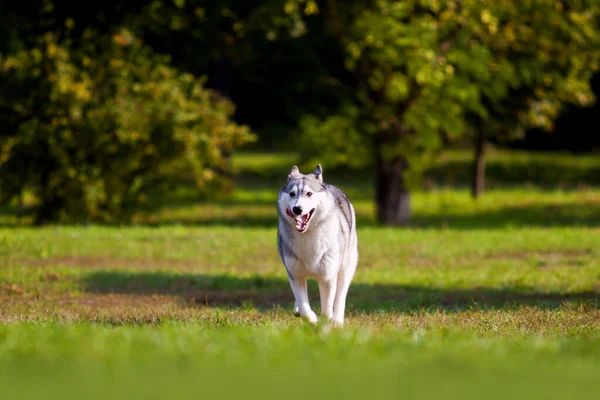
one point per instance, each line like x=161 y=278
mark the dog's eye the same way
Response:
x=292 y=194
x=309 y=194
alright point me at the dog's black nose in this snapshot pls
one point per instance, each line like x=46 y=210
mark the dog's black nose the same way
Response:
x=297 y=210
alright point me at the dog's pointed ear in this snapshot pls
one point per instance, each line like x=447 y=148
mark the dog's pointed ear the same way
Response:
x=294 y=173
x=319 y=173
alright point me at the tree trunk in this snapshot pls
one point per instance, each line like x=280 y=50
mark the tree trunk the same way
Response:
x=478 y=177
x=391 y=194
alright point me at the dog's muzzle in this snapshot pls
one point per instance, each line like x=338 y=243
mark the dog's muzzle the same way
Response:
x=301 y=220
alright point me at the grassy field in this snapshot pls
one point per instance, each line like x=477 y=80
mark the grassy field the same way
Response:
x=496 y=298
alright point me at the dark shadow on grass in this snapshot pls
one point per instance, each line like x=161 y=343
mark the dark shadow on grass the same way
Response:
x=265 y=293
x=532 y=215
x=539 y=169
x=581 y=214
x=542 y=173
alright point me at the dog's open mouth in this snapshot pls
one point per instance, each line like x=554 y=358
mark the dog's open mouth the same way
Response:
x=301 y=220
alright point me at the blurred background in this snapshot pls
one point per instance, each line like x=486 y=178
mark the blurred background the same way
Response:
x=187 y=111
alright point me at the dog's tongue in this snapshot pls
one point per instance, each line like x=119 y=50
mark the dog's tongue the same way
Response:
x=301 y=222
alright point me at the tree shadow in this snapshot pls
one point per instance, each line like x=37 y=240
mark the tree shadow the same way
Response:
x=255 y=206
x=13 y=215
x=266 y=293
x=531 y=215
x=576 y=214
x=542 y=173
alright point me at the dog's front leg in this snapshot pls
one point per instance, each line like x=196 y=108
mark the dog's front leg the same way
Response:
x=328 y=267
x=343 y=284
x=327 y=289
x=300 y=289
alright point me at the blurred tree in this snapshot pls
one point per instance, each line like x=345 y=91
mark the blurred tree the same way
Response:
x=376 y=83
x=255 y=52
x=427 y=69
x=96 y=131
x=553 y=50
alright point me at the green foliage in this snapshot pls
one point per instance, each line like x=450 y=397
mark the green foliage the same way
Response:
x=546 y=54
x=427 y=69
x=371 y=79
x=98 y=130
x=258 y=53
x=339 y=139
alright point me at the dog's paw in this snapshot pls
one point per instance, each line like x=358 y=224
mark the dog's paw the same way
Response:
x=306 y=314
x=311 y=317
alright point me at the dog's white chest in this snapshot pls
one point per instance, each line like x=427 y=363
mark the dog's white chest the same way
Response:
x=315 y=253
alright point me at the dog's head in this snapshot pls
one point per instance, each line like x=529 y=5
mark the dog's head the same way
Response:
x=302 y=197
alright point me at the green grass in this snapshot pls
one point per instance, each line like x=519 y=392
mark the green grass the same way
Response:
x=272 y=361
x=496 y=298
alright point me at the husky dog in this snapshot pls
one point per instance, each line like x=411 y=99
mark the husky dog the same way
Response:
x=316 y=237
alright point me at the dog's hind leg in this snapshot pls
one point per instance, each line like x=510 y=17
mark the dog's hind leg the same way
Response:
x=302 y=307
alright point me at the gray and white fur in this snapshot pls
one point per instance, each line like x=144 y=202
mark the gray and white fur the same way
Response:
x=317 y=239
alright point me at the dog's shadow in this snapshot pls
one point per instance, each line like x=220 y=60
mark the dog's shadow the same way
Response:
x=265 y=293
